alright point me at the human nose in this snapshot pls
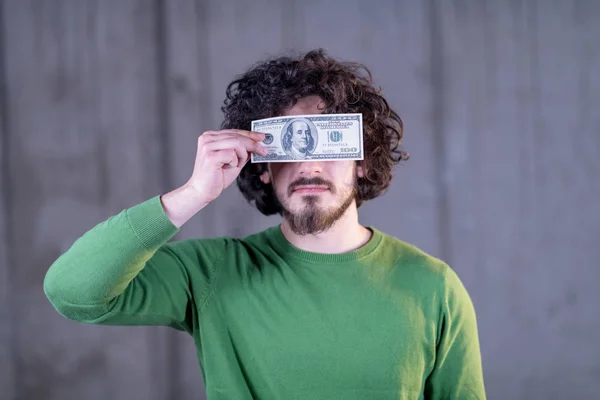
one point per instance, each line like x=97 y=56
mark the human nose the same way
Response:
x=310 y=168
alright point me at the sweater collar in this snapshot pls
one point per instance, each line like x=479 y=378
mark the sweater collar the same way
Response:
x=279 y=241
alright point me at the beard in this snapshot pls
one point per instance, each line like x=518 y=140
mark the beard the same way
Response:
x=313 y=219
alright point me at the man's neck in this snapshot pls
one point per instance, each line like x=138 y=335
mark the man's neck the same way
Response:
x=345 y=235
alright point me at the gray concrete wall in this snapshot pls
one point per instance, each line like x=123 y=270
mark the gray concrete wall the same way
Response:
x=101 y=103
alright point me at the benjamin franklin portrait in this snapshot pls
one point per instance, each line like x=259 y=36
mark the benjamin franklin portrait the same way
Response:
x=298 y=138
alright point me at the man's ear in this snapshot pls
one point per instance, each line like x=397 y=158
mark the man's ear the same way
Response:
x=265 y=177
x=360 y=171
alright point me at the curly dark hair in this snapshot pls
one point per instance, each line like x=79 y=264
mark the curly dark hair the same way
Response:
x=272 y=86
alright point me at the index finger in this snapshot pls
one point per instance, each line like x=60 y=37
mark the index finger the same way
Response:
x=256 y=136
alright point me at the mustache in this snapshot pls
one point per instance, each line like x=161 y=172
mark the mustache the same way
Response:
x=310 y=181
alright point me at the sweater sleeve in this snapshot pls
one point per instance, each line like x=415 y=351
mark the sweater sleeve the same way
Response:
x=457 y=373
x=123 y=272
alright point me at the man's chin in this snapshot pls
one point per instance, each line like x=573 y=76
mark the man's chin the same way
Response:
x=301 y=203
x=303 y=211
x=303 y=200
x=304 y=206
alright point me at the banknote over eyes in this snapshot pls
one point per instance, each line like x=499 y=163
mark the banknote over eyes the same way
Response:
x=322 y=137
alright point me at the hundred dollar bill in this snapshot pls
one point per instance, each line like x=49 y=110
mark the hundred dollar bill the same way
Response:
x=324 y=137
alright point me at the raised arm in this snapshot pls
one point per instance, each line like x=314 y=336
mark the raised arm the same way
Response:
x=123 y=271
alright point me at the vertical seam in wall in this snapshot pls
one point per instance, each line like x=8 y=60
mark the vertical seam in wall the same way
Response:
x=203 y=69
x=163 y=95
x=438 y=86
x=292 y=33
x=537 y=139
x=172 y=357
x=204 y=73
x=201 y=10
x=286 y=39
x=15 y=368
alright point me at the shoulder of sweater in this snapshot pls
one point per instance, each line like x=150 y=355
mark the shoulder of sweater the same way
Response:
x=212 y=248
x=218 y=244
x=410 y=256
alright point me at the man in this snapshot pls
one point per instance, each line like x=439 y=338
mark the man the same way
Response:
x=297 y=140
x=318 y=307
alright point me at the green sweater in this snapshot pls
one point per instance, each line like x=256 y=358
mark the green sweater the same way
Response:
x=271 y=321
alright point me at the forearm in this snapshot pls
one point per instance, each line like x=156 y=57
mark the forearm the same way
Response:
x=182 y=204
